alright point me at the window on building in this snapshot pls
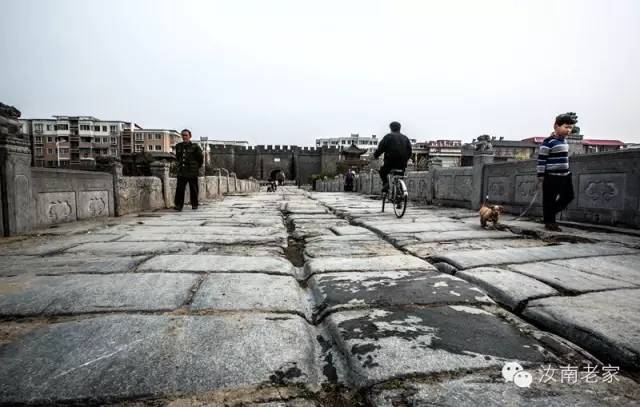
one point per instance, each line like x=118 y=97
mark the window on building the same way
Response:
x=158 y=148
x=49 y=139
x=114 y=141
x=50 y=151
x=104 y=128
x=49 y=127
x=158 y=136
x=150 y=148
x=85 y=127
x=39 y=139
x=139 y=149
x=114 y=151
x=96 y=128
x=62 y=127
x=113 y=128
x=64 y=151
x=39 y=163
x=105 y=139
x=139 y=137
x=37 y=127
x=39 y=151
x=150 y=136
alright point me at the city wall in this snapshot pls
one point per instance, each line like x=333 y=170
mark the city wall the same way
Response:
x=606 y=185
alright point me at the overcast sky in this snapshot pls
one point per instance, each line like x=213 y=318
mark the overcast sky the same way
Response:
x=287 y=72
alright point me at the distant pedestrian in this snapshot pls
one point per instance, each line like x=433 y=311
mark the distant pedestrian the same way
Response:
x=189 y=159
x=553 y=171
x=348 y=180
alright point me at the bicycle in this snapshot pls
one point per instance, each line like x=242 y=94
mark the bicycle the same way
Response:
x=397 y=194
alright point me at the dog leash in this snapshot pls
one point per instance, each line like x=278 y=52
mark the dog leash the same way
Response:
x=528 y=207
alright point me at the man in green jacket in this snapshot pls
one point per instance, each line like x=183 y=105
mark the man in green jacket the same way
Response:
x=189 y=159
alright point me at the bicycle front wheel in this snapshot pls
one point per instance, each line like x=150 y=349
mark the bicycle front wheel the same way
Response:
x=401 y=198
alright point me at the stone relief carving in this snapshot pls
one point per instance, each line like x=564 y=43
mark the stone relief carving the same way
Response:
x=463 y=186
x=59 y=211
x=498 y=189
x=602 y=191
x=97 y=206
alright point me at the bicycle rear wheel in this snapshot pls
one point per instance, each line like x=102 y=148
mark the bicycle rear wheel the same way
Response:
x=401 y=198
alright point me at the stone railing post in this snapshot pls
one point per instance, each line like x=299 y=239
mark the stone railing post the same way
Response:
x=160 y=169
x=15 y=175
x=116 y=173
x=225 y=173
x=480 y=159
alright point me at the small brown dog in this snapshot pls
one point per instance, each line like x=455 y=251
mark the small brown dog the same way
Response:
x=490 y=214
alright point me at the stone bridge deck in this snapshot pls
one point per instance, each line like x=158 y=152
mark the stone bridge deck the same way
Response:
x=292 y=299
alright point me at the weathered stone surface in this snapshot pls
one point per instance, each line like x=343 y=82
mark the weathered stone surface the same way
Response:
x=606 y=323
x=53 y=295
x=243 y=250
x=417 y=227
x=506 y=287
x=425 y=250
x=65 y=264
x=349 y=249
x=134 y=248
x=207 y=263
x=381 y=345
x=47 y=245
x=209 y=230
x=567 y=279
x=382 y=263
x=134 y=356
x=623 y=268
x=341 y=291
x=462 y=235
x=230 y=291
x=247 y=239
x=477 y=258
x=351 y=230
x=491 y=390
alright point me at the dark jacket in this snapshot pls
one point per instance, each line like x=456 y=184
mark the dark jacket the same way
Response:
x=396 y=148
x=189 y=159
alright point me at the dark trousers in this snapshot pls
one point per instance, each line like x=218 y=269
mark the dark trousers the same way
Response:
x=557 y=193
x=386 y=169
x=193 y=191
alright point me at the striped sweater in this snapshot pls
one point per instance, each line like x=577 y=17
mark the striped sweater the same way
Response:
x=553 y=158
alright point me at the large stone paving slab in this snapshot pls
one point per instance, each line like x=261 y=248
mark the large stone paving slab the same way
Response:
x=49 y=245
x=349 y=249
x=74 y=294
x=380 y=263
x=605 y=323
x=65 y=264
x=624 y=268
x=247 y=239
x=134 y=248
x=342 y=291
x=426 y=250
x=462 y=235
x=397 y=227
x=226 y=291
x=477 y=258
x=506 y=287
x=567 y=279
x=132 y=356
x=207 y=263
x=382 y=345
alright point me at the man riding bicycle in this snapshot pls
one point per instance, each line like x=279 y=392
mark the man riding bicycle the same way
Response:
x=397 y=151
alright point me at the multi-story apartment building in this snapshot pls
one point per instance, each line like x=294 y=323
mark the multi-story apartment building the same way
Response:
x=365 y=143
x=447 y=153
x=151 y=141
x=73 y=141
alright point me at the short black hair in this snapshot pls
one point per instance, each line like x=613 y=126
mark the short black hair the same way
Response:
x=565 y=118
x=394 y=126
x=187 y=130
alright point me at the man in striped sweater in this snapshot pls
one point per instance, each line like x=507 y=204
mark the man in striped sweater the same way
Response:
x=553 y=171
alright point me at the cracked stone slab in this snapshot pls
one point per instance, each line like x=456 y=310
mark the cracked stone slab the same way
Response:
x=462 y=235
x=568 y=279
x=382 y=345
x=427 y=250
x=351 y=230
x=66 y=264
x=397 y=227
x=344 y=239
x=606 y=323
x=248 y=239
x=133 y=356
x=75 y=294
x=134 y=248
x=44 y=246
x=243 y=250
x=378 y=263
x=506 y=287
x=259 y=292
x=349 y=249
x=209 y=230
x=491 y=390
x=624 y=268
x=342 y=291
x=209 y=263
x=476 y=258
